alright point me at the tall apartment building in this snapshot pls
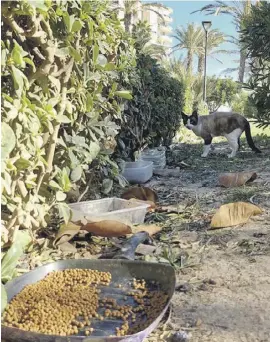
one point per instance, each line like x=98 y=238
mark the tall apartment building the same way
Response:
x=160 y=27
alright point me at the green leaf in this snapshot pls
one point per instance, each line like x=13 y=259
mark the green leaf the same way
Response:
x=64 y=211
x=77 y=25
x=30 y=62
x=8 y=141
x=40 y=4
x=124 y=94
x=91 y=28
x=68 y=20
x=76 y=174
x=7 y=182
x=19 y=80
x=89 y=102
x=95 y=53
x=94 y=149
x=63 y=119
x=63 y=52
x=114 y=87
x=17 y=55
x=3 y=298
x=110 y=67
x=60 y=196
x=75 y=54
x=11 y=258
x=54 y=185
x=4 y=57
x=101 y=60
x=107 y=185
x=64 y=181
x=22 y=164
x=55 y=81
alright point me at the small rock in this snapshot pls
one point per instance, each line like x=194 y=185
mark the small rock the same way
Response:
x=186 y=287
x=210 y=282
x=179 y=336
x=203 y=287
x=198 y=322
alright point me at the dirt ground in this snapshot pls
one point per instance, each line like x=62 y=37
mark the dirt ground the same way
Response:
x=223 y=277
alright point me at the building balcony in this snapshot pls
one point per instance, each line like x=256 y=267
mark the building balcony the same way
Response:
x=166 y=11
x=167 y=19
x=165 y=29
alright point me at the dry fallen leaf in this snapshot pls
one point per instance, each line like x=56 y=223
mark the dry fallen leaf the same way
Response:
x=233 y=214
x=229 y=180
x=108 y=228
x=151 y=229
x=66 y=233
x=67 y=247
x=140 y=193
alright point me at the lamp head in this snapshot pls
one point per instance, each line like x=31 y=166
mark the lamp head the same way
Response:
x=206 y=25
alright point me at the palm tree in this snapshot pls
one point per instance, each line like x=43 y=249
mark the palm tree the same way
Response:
x=240 y=11
x=132 y=7
x=215 y=38
x=190 y=39
x=141 y=33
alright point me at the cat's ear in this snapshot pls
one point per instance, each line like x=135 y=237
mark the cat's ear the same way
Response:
x=195 y=114
x=183 y=115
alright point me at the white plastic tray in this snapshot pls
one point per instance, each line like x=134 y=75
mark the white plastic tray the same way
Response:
x=113 y=209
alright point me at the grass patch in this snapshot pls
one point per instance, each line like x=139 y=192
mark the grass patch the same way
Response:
x=242 y=194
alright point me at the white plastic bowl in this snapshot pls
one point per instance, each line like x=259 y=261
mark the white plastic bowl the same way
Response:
x=138 y=172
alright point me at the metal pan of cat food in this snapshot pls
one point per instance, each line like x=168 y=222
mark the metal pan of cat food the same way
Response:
x=158 y=277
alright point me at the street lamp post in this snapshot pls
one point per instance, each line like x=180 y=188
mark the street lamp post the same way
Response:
x=206 y=25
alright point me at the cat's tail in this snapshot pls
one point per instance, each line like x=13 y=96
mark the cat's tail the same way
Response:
x=249 y=138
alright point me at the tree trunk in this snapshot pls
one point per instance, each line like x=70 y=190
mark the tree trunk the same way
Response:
x=242 y=66
x=127 y=22
x=189 y=61
x=200 y=65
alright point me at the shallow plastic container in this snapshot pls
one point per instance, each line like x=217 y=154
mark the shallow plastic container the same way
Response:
x=158 y=166
x=153 y=155
x=157 y=156
x=113 y=209
x=138 y=172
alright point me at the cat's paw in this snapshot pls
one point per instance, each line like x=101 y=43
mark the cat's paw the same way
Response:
x=230 y=156
x=203 y=155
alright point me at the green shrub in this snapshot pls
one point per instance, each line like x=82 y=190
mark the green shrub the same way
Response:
x=153 y=116
x=255 y=38
x=62 y=67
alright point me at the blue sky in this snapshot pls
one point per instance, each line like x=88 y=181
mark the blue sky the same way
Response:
x=182 y=16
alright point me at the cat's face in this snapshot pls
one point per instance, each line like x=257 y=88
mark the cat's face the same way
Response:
x=190 y=121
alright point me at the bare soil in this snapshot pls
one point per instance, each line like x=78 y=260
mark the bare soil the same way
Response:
x=223 y=285
x=223 y=275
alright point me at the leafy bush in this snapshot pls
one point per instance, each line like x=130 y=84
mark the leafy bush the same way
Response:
x=153 y=116
x=255 y=38
x=221 y=91
x=62 y=63
x=242 y=104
